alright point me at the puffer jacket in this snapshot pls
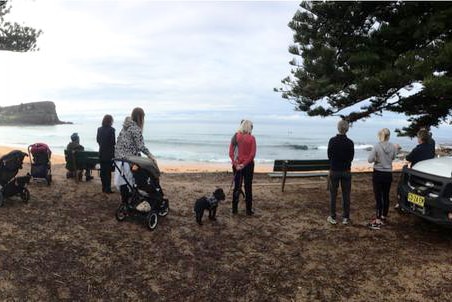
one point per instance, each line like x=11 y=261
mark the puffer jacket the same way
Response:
x=130 y=140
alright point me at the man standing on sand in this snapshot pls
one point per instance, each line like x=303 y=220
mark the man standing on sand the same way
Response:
x=341 y=151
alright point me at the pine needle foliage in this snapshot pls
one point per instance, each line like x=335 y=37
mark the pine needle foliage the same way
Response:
x=13 y=36
x=355 y=57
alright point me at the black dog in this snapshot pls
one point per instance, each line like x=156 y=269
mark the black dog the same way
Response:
x=208 y=203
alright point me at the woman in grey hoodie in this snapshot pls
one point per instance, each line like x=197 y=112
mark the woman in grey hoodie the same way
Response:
x=382 y=156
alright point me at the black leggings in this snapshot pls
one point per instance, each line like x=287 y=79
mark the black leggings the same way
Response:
x=246 y=176
x=382 y=186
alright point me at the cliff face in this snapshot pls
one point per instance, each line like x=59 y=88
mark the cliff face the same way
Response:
x=37 y=113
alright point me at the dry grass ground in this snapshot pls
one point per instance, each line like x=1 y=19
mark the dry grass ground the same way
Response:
x=66 y=244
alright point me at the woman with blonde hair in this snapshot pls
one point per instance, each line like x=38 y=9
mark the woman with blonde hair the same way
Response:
x=242 y=151
x=382 y=155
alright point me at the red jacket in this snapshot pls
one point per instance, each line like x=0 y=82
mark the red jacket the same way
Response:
x=246 y=144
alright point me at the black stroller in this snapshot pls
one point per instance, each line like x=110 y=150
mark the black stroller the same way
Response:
x=10 y=185
x=41 y=168
x=144 y=198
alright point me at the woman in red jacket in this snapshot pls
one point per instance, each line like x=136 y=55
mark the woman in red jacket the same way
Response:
x=242 y=151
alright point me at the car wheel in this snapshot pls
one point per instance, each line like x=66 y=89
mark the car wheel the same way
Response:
x=152 y=221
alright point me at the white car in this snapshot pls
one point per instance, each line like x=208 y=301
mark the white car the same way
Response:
x=425 y=190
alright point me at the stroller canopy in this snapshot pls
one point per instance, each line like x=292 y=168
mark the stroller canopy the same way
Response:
x=145 y=164
x=39 y=148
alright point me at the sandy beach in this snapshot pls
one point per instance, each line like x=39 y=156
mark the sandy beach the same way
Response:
x=192 y=167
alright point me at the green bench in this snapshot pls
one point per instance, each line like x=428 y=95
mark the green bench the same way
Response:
x=81 y=160
x=298 y=168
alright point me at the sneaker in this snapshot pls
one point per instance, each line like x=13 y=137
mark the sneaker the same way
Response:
x=346 y=221
x=374 y=225
x=331 y=220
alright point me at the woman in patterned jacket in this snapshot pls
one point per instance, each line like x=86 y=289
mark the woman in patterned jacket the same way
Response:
x=130 y=143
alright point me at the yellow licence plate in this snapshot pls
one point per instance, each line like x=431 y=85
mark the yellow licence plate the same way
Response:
x=416 y=199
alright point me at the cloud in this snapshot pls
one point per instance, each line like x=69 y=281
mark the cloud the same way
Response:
x=183 y=56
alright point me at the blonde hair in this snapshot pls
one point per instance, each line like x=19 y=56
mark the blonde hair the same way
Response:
x=384 y=134
x=246 y=127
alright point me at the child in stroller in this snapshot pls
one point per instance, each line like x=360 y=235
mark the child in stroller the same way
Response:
x=10 y=185
x=141 y=194
x=39 y=155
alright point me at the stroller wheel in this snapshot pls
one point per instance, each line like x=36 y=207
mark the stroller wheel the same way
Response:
x=164 y=208
x=152 y=220
x=121 y=212
x=25 y=195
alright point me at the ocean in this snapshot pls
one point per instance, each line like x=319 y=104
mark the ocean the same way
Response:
x=208 y=142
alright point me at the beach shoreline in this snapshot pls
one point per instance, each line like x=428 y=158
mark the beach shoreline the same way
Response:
x=200 y=167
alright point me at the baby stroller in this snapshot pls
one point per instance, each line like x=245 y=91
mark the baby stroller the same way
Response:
x=144 y=198
x=10 y=185
x=39 y=154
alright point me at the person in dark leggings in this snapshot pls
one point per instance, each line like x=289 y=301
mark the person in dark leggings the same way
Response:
x=106 y=139
x=242 y=151
x=382 y=155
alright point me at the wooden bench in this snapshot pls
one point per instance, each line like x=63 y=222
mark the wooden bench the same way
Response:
x=81 y=160
x=283 y=166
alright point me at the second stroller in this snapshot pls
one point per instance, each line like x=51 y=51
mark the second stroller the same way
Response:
x=41 y=167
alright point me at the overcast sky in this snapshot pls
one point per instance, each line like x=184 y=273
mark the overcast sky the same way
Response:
x=180 y=59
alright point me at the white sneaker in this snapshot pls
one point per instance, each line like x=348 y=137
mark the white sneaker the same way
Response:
x=346 y=221
x=331 y=220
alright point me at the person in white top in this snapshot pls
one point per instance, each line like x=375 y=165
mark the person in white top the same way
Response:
x=382 y=155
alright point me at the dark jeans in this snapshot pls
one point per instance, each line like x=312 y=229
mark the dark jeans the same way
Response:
x=244 y=176
x=382 y=186
x=105 y=175
x=345 y=179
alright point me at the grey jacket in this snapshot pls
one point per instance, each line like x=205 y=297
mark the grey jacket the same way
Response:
x=382 y=156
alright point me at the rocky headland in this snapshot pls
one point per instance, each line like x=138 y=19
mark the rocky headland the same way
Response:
x=35 y=113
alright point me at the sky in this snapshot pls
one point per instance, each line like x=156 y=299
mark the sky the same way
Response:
x=175 y=59
x=178 y=60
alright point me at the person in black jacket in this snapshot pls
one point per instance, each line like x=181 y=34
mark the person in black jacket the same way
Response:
x=425 y=149
x=106 y=139
x=341 y=151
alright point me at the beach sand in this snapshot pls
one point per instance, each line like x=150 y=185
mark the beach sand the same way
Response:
x=193 y=167
x=66 y=245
